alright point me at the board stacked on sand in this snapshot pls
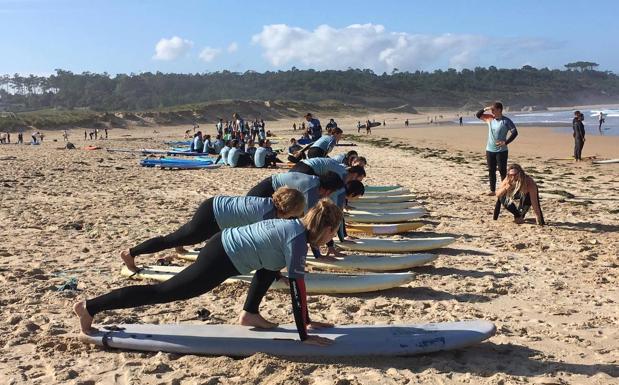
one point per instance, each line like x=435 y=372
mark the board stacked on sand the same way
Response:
x=195 y=163
x=382 y=228
x=374 y=263
x=398 y=191
x=379 y=245
x=358 y=205
x=369 y=188
x=241 y=341
x=315 y=283
x=608 y=161
x=383 y=217
x=382 y=199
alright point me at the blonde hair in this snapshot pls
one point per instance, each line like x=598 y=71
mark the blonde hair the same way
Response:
x=324 y=215
x=289 y=202
x=520 y=183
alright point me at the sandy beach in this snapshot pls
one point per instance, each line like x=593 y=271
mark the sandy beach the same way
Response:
x=551 y=291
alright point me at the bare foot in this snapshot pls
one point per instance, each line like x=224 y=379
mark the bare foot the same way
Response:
x=255 y=320
x=491 y=193
x=181 y=250
x=79 y=309
x=129 y=261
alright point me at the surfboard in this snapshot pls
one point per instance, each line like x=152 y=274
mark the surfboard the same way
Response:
x=378 y=245
x=609 y=161
x=374 y=263
x=382 y=228
x=398 y=191
x=241 y=341
x=372 y=125
x=383 y=198
x=315 y=283
x=358 y=205
x=378 y=211
x=382 y=188
x=391 y=217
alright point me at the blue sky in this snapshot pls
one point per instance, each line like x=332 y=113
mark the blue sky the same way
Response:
x=37 y=36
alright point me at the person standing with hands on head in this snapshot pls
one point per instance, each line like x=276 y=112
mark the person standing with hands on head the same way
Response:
x=579 y=135
x=496 y=147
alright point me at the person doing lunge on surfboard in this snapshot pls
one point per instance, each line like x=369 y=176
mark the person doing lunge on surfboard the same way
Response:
x=217 y=213
x=517 y=193
x=325 y=144
x=267 y=245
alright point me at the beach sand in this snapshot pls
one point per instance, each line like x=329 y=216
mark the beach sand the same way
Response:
x=551 y=291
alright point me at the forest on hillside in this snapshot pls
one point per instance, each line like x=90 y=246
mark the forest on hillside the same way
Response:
x=441 y=88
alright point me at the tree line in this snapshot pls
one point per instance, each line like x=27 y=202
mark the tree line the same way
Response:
x=442 y=88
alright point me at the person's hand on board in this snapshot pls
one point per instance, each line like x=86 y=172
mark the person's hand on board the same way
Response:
x=318 y=341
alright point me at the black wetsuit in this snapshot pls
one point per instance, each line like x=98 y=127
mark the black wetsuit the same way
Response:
x=520 y=210
x=579 y=137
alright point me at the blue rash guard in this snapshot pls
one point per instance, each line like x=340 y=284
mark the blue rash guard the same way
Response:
x=224 y=154
x=273 y=244
x=339 y=157
x=322 y=166
x=242 y=210
x=326 y=143
x=260 y=157
x=308 y=185
x=233 y=157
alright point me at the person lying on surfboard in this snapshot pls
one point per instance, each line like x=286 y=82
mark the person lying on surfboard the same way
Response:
x=266 y=247
x=517 y=193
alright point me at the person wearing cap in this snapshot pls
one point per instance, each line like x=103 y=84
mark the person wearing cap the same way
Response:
x=314 y=129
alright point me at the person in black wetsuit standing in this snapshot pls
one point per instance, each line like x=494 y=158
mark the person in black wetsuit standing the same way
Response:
x=579 y=134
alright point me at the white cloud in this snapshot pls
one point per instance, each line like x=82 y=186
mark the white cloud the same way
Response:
x=233 y=47
x=208 y=54
x=170 y=49
x=372 y=46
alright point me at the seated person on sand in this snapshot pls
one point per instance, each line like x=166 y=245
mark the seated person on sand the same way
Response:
x=218 y=144
x=261 y=157
x=266 y=247
x=294 y=151
x=237 y=157
x=223 y=154
x=208 y=145
x=196 y=144
x=271 y=155
x=517 y=193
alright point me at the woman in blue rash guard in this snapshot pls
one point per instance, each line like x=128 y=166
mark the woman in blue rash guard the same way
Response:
x=221 y=212
x=323 y=146
x=237 y=157
x=223 y=153
x=267 y=245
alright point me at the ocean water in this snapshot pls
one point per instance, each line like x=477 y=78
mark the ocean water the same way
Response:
x=564 y=117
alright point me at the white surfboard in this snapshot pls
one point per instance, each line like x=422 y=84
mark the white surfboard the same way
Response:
x=609 y=161
x=379 y=245
x=361 y=262
x=383 y=198
x=385 y=217
x=398 y=191
x=241 y=341
x=315 y=283
x=382 y=188
x=358 y=205
x=382 y=228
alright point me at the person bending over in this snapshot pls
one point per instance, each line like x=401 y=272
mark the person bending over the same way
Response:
x=325 y=144
x=517 y=193
x=264 y=246
x=217 y=213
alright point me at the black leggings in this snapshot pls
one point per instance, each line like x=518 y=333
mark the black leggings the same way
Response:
x=578 y=145
x=518 y=211
x=201 y=227
x=263 y=189
x=244 y=160
x=494 y=159
x=212 y=267
x=316 y=152
x=303 y=169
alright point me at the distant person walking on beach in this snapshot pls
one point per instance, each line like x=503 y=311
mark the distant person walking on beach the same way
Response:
x=579 y=135
x=358 y=126
x=496 y=147
x=368 y=127
x=406 y=123
x=460 y=120
x=384 y=124
x=601 y=121
x=518 y=193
